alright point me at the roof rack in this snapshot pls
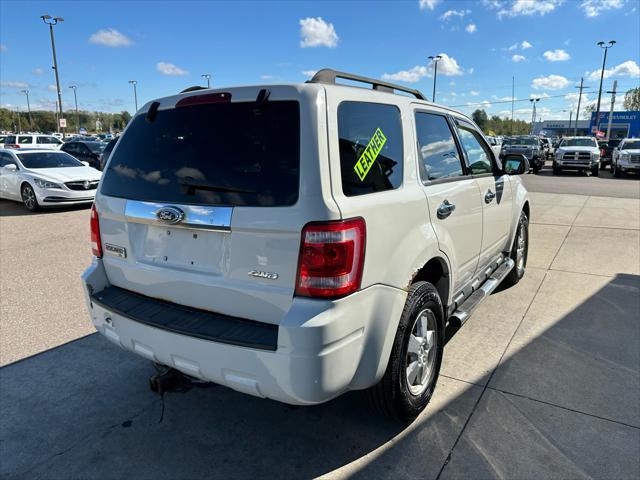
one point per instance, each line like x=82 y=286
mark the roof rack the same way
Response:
x=327 y=75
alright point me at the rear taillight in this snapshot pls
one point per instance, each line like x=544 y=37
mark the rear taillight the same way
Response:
x=12 y=145
x=602 y=153
x=96 y=243
x=331 y=258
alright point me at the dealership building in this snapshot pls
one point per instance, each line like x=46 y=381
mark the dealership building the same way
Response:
x=623 y=124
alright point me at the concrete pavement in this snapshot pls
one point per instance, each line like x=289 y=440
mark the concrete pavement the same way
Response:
x=542 y=382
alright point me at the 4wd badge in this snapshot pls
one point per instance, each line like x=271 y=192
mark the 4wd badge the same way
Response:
x=260 y=274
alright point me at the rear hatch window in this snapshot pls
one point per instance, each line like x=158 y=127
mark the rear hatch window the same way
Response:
x=210 y=154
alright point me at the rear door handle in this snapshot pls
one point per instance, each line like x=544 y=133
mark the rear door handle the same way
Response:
x=489 y=196
x=445 y=209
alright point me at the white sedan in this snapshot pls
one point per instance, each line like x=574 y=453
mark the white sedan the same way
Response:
x=40 y=178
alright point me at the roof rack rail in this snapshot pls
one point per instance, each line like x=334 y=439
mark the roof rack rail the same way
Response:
x=328 y=75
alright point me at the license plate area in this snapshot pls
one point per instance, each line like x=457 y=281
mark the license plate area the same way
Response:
x=185 y=248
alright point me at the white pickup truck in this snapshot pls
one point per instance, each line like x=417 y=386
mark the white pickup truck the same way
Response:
x=295 y=242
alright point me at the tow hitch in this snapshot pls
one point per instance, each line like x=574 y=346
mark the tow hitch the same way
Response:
x=169 y=380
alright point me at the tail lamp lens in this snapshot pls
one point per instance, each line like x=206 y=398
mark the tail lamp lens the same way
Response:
x=96 y=243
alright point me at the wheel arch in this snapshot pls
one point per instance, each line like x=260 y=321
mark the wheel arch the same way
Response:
x=436 y=271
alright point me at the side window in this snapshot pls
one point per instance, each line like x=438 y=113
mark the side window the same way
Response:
x=438 y=151
x=25 y=140
x=11 y=140
x=478 y=154
x=70 y=148
x=6 y=159
x=371 y=151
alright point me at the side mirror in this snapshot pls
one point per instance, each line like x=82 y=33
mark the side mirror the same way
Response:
x=11 y=167
x=515 y=164
x=86 y=164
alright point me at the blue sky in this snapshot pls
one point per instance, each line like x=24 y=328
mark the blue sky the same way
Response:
x=546 y=44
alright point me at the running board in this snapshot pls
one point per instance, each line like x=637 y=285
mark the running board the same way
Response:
x=464 y=311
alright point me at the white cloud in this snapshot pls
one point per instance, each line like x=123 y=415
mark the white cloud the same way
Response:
x=539 y=95
x=516 y=8
x=473 y=93
x=428 y=4
x=412 y=75
x=447 y=66
x=557 y=55
x=518 y=58
x=551 y=82
x=471 y=70
x=572 y=99
x=454 y=13
x=37 y=71
x=3 y=48
x=12 y=84
x=110 y=37
x=593 y=8
x=52 y=88
x=170 y=69
x=266 y=77
x=309 y=73
x=524 y=45
x=512 y=47
x=471 y=28
x=315 y=32
x=626 y=69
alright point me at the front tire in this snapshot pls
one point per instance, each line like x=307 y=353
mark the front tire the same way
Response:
x=412 y=372
x=519 y=251
x=29 y=198
x=595 y=171
x=557 y=170
x=616 y=171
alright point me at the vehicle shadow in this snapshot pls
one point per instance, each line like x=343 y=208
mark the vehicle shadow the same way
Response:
x=84 y=410
x=15 y=209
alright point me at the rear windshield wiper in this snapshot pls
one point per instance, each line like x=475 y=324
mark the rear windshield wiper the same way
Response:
x=191 y=184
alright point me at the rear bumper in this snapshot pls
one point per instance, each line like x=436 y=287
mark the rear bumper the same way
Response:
x=323 y=349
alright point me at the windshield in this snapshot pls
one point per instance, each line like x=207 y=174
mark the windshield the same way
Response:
x=48 y=160
x=521 y=141
x=210 y=154
x=96 y=147
x=631 y=145
x=579 y=142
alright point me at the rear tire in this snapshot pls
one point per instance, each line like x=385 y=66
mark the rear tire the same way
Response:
x=29 y=198
x=411 y=375
x=616 y=172
x=519 y=251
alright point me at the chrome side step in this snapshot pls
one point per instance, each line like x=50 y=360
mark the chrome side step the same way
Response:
x=464 y=311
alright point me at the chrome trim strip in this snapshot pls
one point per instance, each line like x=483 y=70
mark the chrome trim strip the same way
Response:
x=197 y=217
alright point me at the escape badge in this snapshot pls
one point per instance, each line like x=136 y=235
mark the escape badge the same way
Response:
x=364 y=163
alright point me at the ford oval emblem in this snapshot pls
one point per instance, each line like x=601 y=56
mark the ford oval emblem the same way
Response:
x=170 y=215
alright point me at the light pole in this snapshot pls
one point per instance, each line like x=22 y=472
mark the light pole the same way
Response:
x=606 y=47
x=435 y=61
x=75 y=97
x=51 y=22
x=581 y=87
x=135 y=92
x=26 y=92
x=533 y=114
x=208 y=77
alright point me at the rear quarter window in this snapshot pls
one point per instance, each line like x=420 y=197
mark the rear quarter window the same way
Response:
x=371 y=150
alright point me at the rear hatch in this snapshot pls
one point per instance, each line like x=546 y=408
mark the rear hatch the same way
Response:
x=204 y=197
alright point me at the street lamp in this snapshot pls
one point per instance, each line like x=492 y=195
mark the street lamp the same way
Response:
x=75 y=97
x=606 y=47
x=26 y=92
x=135 y=92
x=435 y=61
x=533 y=114
x=208 y=77
x=51 y=22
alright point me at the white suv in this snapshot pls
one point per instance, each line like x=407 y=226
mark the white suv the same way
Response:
x=28 y=140
x=295 y=242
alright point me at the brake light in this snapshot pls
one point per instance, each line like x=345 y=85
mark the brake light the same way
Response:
x=220 y=97
x=331 y=258
x=12 y=145
x=96 y=243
